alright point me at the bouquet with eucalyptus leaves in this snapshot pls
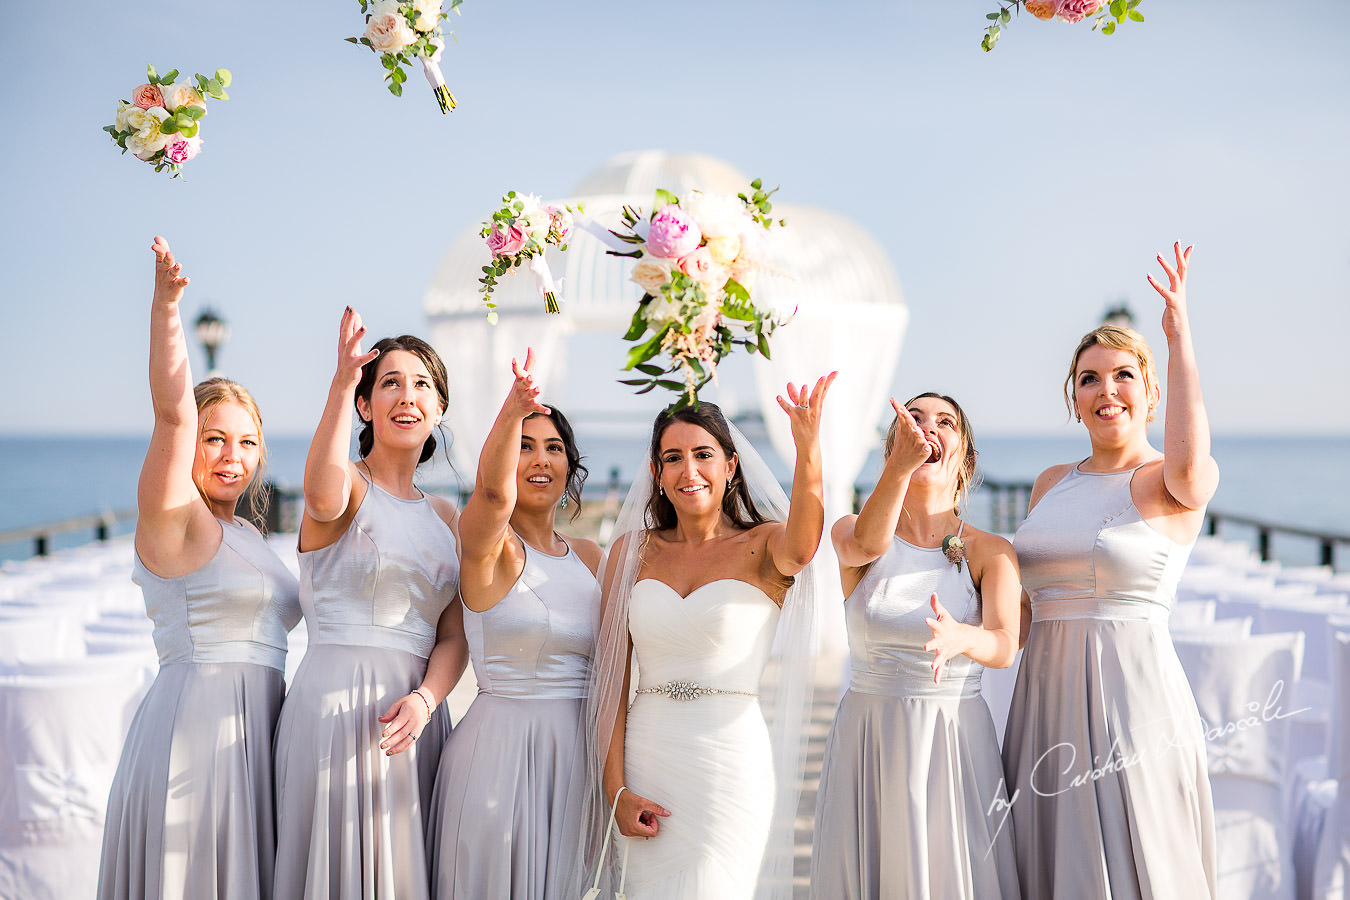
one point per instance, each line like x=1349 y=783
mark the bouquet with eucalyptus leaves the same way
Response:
x=161 y=121
x=403 y=31
x=1106 y=14
x=697 y=263
x=518 y=233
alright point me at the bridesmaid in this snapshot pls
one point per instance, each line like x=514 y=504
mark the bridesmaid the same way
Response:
x=378 y=582
x=506 y=814
x=911 y=800
x=190 y=814
x=1104 y=749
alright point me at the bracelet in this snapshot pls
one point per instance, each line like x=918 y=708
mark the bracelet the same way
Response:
x=424 y=694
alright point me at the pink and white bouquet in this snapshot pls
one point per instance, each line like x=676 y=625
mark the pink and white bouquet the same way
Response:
x=697 y=263
x=401 y=31
x=160 y=123
x=518 y=233
x=1108 y=14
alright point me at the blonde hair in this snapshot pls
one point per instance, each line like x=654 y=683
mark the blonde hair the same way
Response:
x=967 y=477
x=214 y=392
x=1116 y=337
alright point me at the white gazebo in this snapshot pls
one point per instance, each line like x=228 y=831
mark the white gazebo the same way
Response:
x=850 y=317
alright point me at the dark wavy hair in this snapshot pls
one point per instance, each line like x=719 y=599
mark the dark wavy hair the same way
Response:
x=370 y=371
x=576 y=472
x=736 y=502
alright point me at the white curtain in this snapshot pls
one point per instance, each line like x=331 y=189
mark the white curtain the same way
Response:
x=861 y=341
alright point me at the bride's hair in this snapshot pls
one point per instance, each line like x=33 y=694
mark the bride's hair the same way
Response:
x=736 y=502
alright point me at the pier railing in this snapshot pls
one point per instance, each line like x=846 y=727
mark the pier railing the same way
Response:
x=998 y=506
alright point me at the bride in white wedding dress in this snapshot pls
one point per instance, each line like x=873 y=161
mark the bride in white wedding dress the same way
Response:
x=704 y=590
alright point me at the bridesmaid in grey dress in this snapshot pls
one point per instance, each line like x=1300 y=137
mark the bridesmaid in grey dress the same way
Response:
x=190 y=813
x=506 y=814
x=1104 y=750
x=911 y=801
x=378 y=582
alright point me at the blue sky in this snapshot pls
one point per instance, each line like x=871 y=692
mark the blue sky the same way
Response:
x=1018 y=193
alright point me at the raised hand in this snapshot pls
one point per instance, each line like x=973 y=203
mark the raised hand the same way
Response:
x=169 y=277
x=636 y=816
x=911 y=448
x=1174 y=295
x=804 y=409
x=524 y=396
x=950 y=637
x=350 y=357
x=403 y=723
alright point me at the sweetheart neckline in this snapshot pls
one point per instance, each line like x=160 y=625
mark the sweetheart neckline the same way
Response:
x=754 y=587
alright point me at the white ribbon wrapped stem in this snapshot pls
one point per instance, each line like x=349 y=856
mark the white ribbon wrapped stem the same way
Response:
x=543 y=279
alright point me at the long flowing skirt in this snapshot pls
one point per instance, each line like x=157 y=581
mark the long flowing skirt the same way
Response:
x=709 y=763
x=190 y=813
x=350 y=820
x=912 y=803
x=506 y=812
x=1106 y=763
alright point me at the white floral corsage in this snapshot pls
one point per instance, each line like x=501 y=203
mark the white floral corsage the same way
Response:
x=954 y=549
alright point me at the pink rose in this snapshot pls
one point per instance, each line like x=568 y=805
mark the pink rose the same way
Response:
x=1042 y=9
x=672 y=234
x=1078 y=10
x=147 y=96
x=388 y=30
x=700 y=266
x=506 y=243
x=560 y=227
x=180 y=149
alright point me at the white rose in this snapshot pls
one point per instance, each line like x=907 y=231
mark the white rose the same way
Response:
x=181 y=94
x=428 y=14
x=717 y=215
x=148 y=139
x=388 y=30
x=662 y=311
x=123 y=111
x=650 y=275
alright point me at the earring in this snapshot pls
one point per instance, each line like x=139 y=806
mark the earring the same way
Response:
x=1077 y=417
x=729 y=481
x=563 y=504
x=661 y=489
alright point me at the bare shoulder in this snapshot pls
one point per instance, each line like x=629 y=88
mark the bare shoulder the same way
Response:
x=981 y=545
x=589 y=551
x=1048 y=479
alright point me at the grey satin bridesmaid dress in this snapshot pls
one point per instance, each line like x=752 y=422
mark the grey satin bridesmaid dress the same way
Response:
x=350 y=820
x=506 y=813
x=190 y=814
x=1104 y=748
x=911 y=801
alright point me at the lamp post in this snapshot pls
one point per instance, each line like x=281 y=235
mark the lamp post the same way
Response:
x=1119 y=315
x=212 y=331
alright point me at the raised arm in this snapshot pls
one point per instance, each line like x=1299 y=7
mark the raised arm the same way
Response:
x=167 y=499
x=328 y=477
x=792 y=546
x=1190 y=474
x=484 y=525
x=862 y=539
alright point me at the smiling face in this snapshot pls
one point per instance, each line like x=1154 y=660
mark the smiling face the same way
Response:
x=940 y=423
x=228 y=450
x=541 y=473
x=1111 y=394
x=693 y=469
x=404 y=405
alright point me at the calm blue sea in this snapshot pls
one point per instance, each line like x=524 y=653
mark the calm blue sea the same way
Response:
x=1301 y=481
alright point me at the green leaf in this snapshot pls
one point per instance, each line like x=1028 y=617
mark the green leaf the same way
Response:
x=223 y=77
x=396 y=89
x=669 y=384
x=168 y=126
x=352 y=40
x=649 y=369
x=633 y=381
x=735 y=290
x=1136 y=15
x=664 y=198
x=151 y=75
x=190 y=130
x=1109 y=28
x=1005 y=17
x=169 y=77
x=646 y=350
x=637 y=326
x=763 y=345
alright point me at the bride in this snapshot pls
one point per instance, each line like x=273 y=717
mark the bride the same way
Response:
x=703 y=584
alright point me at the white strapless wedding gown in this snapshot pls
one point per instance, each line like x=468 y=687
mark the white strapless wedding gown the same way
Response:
x=706 y=760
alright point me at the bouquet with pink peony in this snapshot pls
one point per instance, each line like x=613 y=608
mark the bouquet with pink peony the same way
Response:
x=159 y=124
x=401 y=31
x=517 y=234
x=696 y=265
x=1108 y=13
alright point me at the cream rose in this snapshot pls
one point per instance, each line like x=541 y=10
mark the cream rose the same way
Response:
x=724 y=250
x=148 y=139
x=428 y=14
x=181 y=94
x=661 y=312
x=650 y=275
x=717 y=215
x=388 y=30
x=124 y=109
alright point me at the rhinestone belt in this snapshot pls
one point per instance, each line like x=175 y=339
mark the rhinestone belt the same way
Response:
x=688 y=690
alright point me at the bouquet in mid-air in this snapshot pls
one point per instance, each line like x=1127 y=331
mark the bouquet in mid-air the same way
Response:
x=518 y=233
x=403 y=31
x=1106 y=14
x=696 y=263
x=161 y=121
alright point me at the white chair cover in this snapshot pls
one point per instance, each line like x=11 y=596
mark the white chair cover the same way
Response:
x=1192 y=614
x=1242 y=688
x=1331 y=872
